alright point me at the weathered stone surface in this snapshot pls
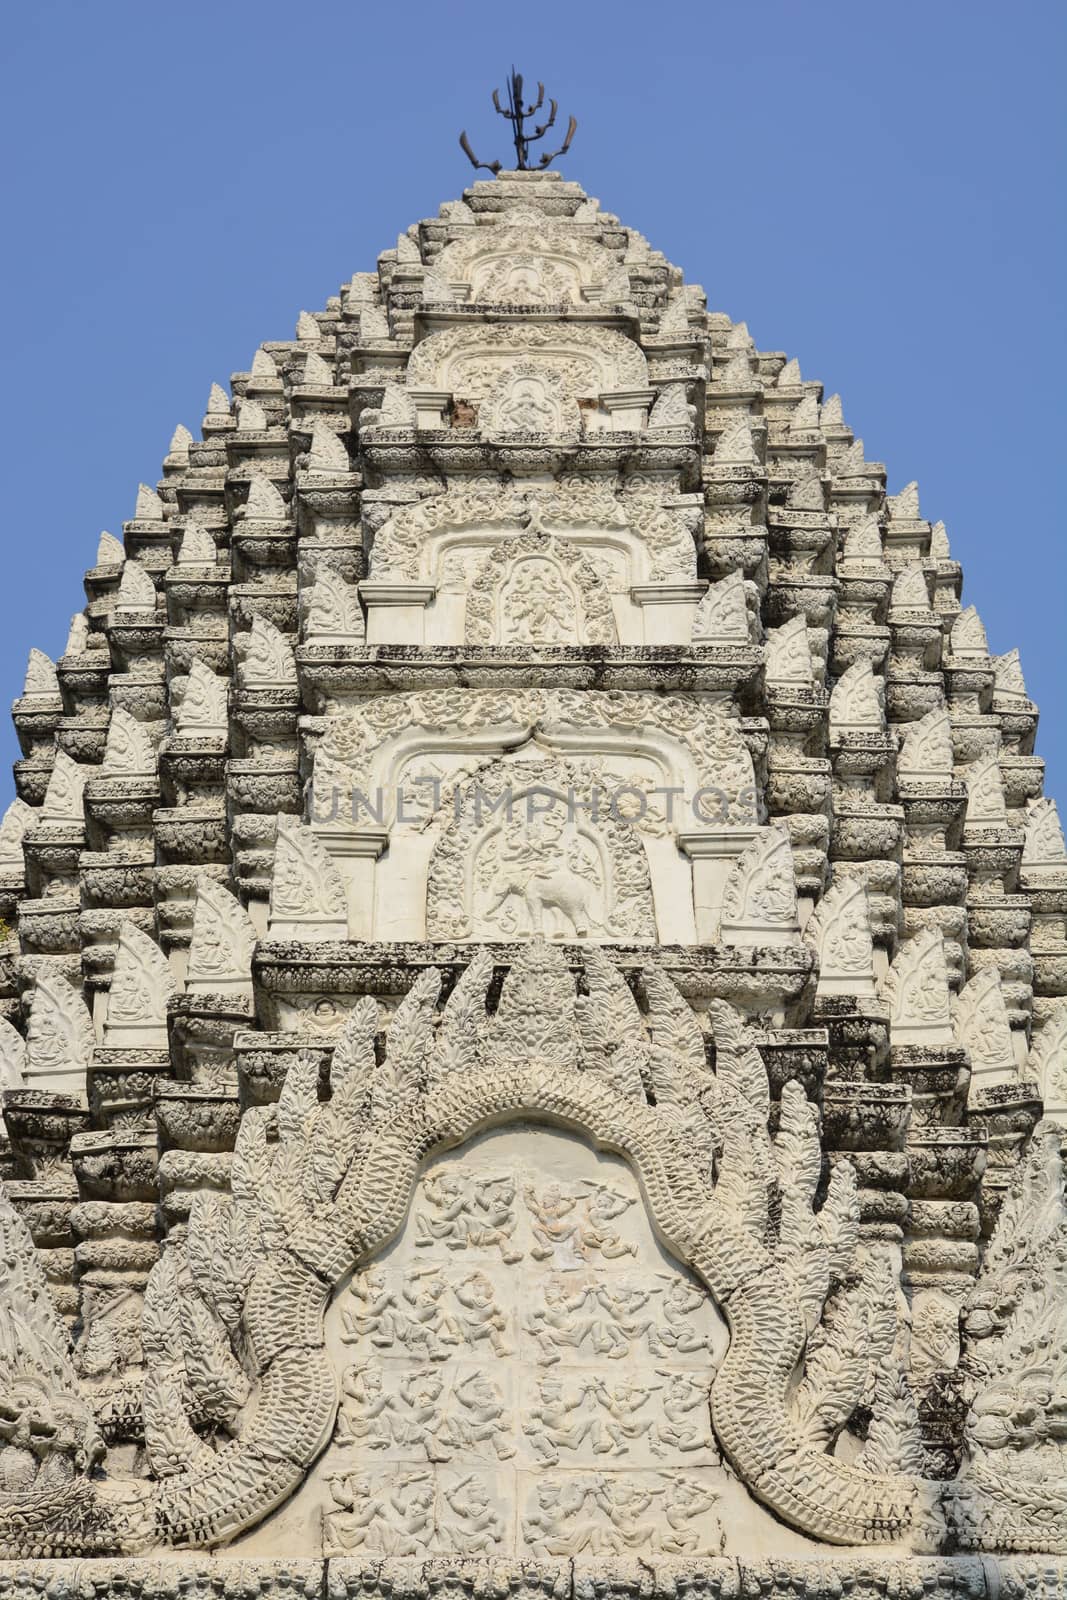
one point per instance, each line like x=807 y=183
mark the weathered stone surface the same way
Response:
x=538 y=961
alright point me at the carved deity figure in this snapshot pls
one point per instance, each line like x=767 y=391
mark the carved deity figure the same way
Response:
x=469 y=1213
x=536 y=606
x=552 y=1526
x=555 y=1325
x=555 y=1227
x=628 y=1420
x=538 y=879
x=685 y=1501
x=685 y=1407
x=480 y=1418
x=551 y=1424
x=524 y=284
x=374 y=1315
x=625 y=1503
x=360 y=1518
x=368 y=1411
x=526 y=408
x=477 y=1526
x=601 y=1210
x=422 y=1393
x=680 y=1300
x=481 y=1317
x=577 y=1224
x=631 y=1318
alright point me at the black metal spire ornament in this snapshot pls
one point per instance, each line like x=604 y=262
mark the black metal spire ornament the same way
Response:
x=518 y=114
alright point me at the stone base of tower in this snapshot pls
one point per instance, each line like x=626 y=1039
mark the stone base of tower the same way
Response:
x=883 y=1577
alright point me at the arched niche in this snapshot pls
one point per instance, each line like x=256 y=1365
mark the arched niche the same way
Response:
x=390 y=779
x=526 y=1330
x=525 y=266
x=469 y=362
x=425 y=558
x=296 y=1308
x=524 y=857
x=537 y=589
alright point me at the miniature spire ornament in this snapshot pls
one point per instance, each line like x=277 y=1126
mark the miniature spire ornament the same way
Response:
x=518 y=114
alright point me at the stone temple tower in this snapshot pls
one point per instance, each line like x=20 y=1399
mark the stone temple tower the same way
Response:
x=534 y=1033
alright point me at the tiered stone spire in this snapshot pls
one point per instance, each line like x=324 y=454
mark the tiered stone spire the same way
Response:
x=520 y=621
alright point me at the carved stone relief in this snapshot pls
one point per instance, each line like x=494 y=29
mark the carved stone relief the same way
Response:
x=524 y=1372
x=693 y=776
x=470 y=362
x=667 y=1237
x=538 y=590
x=444 y=542
x=522 y=859
x=544 y=265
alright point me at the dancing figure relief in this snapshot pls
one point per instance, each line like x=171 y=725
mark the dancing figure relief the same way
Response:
x=577 y=1224
x=464 y=1213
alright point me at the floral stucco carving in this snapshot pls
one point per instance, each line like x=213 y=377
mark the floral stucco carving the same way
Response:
x=533 y=1020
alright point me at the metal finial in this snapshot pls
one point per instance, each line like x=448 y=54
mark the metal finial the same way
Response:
x=518 y=114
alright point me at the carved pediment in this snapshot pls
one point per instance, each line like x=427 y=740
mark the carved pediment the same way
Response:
x=141 y=985
x=264 y=502
x=554 y=1339
x=926 y=749
x=722 y=617
x=198 y=548
x=910 y=592
x=916 y=987
x=840 y=930
x=1043 y=843
x=59 y=1038
x=470 y=362
x=331 y=610
x=520 y=861
x=538 y=264
x=137 y=590
x=789 y=655
x=17 y=819
x=985 y=794
x=982 y=1026
x=857 y=701
x=968 y=636
x=863 y=542
x=327 y=452
x=265 y=658
x=307 y=897
x=759 y=902
x=110 y=552
x=634 y=541
x=40 y=682
x=220 y=952
x=537 y=589
x=129 y=750
x=63 y=796
x=200 y=701
x=697 y=746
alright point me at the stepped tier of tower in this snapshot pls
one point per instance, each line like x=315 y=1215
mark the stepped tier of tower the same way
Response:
x=522 y=703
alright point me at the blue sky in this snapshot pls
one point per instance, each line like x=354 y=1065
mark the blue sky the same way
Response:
x=877 y=189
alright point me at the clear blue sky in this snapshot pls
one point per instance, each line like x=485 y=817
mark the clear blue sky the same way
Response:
x=875 y=188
